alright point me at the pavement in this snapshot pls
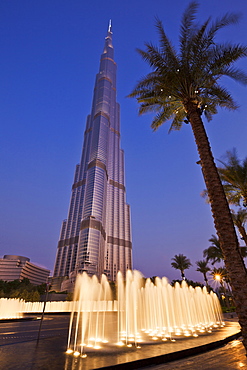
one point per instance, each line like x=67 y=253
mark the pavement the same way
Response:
x=20 y=350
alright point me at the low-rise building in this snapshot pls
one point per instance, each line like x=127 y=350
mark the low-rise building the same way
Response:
x=19 y=267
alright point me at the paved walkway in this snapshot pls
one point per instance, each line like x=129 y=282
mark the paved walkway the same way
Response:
x=229 y=357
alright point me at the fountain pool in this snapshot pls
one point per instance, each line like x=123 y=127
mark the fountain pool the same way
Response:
x=143 y=312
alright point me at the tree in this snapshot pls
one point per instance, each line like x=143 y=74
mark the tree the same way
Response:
x=182 y=86
x=181 y=263
x=239 y=219
x=234 y=178
x=202 y=266
x=214 y=252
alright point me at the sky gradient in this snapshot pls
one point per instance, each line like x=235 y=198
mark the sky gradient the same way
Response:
x=50 y=53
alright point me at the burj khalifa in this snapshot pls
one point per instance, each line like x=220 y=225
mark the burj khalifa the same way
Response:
x=96 y=236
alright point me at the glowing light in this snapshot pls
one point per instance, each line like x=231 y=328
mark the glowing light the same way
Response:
x=138 y=347
x=96 y=347
x=76 y=353
x=217 y=277
x=129 y=345
x=120 y=344
x=84 y=355
x=104 y=341
x=69 y=351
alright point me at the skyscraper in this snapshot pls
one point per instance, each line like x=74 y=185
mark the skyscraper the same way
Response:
x=96 y=237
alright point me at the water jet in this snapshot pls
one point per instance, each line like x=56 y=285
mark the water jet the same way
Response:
x=144 y=312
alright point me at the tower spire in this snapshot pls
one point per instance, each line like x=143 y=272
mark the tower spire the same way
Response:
x=109 y=27
x=108 y=40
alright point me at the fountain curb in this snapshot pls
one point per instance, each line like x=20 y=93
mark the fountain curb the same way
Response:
x=18 y=319
x=173 y=356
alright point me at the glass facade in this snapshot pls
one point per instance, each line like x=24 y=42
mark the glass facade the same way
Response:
x=96 y=237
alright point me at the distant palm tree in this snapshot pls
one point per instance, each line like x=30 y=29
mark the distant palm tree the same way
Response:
x=214 y=252
x=239 y=219
x=181 y=86
x=181 y=263
x=234 y=178
x=203 y=268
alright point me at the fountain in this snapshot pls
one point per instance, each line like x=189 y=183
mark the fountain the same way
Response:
x=10 y=309
x=143 y=312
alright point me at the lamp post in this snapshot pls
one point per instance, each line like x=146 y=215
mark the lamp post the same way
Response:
x=43 y=312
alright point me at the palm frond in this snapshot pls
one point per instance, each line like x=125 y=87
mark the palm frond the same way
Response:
x=166 y=46
x=151 y=56
x=236 y=74
x=186 y=24
x=226 y=20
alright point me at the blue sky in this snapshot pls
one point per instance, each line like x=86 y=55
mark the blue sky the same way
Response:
x=50 y=52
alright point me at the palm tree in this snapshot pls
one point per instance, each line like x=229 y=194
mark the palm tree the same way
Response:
x=181 y=263
x=202 y=266
x=233 y=175
x=214 y=252
x=181 y=86
x=239 y=219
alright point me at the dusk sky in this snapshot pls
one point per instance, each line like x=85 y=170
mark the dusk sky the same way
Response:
x=49 y=56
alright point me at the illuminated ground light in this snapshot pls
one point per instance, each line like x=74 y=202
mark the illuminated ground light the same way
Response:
x=120 y=344
x=187 y=334
x=76 y=353
x=84 y=355
x=69 y=351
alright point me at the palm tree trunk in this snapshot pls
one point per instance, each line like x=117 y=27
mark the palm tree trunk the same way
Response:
x=222 y=220
x=243 y=233
x=206 y=281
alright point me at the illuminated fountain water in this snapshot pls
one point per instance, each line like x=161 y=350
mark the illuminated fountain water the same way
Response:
x=143 y=312
x=10 y=309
